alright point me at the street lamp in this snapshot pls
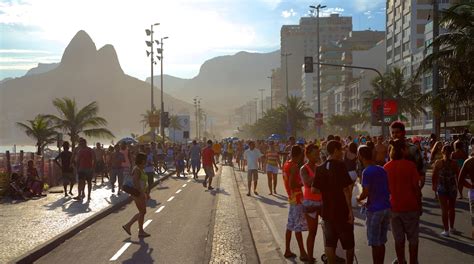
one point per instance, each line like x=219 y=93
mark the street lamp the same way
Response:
x=261 y=102
x=256 y=109
x=160 y=57
x=288 y=128
x=271 y=91
x=318 y=8
x=149 y=32
x=197 y=102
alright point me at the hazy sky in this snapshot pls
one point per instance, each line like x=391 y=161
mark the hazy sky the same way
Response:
x=35 y=31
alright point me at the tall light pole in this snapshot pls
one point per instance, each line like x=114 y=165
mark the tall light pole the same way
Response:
x=288 y=128
x=435 y=72
x=318 y=8
x=256 y=109
x=197 y=101
x=261 y=101
x=271 y=91
x=160 y=57
x=149 y=32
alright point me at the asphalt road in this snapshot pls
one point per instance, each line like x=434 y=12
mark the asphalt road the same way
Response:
x=179 y=218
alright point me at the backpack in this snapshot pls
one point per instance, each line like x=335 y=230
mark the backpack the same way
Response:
x=447 y=180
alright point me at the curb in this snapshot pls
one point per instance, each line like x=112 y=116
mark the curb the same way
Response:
x=54 y=242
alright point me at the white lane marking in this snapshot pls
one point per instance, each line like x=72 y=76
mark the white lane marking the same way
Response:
x=178 y=191
x=159 y=209
x=147 y=223
x=184 y=185
x=171 y=198
x=189 y=180
x=120 y=252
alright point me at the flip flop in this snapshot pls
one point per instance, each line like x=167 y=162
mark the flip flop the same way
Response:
x=291 y=255
x=144 y=235
x=127 y=230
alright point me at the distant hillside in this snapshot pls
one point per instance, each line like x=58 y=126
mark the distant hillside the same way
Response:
x=42 y=68
x=86 y=74
x=226 y=82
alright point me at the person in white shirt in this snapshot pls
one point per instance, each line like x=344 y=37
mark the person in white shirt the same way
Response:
x=252 y=155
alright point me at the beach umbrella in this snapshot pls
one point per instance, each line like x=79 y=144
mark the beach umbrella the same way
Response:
x=128 y=140
x=276 y=137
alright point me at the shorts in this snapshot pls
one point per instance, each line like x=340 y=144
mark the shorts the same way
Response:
x=68 y=177
x=272 y=169
x=196 y=164
x=311 y=203
x=116 y=174
x=85 y=174
x=252 y=175
x=296 y=220
x=99 y=167
x=334 y=232
x=209 y=171
x=405 y=224
x=377 y=227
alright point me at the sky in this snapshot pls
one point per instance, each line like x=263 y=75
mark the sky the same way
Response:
x=34 y=31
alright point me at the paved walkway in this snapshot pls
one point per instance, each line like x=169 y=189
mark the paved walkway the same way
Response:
x=273 y=211
x=28 y=224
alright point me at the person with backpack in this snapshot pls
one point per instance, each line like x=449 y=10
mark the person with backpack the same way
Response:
x=444 y=180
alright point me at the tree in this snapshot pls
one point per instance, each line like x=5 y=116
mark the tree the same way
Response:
x=76 y=121
x=344 y=124
x=395 y=86
x=41 y=129
x=297 y=112
x=175 y=124
x=146 y=117
x=455 y=58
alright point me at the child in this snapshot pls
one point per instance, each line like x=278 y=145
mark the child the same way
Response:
x=33 y=181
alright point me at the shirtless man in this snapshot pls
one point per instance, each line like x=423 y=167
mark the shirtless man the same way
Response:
x=467 y=173
x=380 y=152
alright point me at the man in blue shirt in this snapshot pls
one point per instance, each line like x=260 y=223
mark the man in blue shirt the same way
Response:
x=375 y=188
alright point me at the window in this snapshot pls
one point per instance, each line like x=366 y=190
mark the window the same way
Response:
x=406 y=46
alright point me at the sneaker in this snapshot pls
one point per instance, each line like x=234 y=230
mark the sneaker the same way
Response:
x=445 y=233
x=452 y=230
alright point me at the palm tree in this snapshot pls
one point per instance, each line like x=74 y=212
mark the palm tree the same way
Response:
x=41 y=129
x=76 y=121
x=406 y=92
x=455 y=58
x=146 y=117
x=175 y=124
x=345 y=123
x=297 y=113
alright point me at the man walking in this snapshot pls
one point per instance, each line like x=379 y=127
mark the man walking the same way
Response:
x=195 y=156
x=66 y=168
x=100 y=162
x=85 y=161
x=252 y=155
x=333 y=181
x=375 y=188
x=209 y=164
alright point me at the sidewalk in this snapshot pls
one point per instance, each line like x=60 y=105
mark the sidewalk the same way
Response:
x=26 y=225
x=273 y=211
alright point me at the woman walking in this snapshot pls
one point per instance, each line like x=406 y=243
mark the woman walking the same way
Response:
x=273 y=164
x=136 y=186
x=312 y=202
x=444 y=180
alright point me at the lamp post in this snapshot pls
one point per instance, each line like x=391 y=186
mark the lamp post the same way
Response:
x=318 y=8
x=271 y=91
x=256 y=109
x=288 y=128
x=261 y=100
x=149 y=32
x=197 y=101
x=160 y=57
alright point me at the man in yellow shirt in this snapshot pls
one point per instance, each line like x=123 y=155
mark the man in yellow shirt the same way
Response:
x=217 y=148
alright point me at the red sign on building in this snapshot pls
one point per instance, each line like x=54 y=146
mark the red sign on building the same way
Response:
x=390 y=107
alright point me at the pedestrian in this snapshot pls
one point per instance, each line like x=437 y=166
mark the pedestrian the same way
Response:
x=34 y=183
x=116 y=160
x=405 y=200
x=350 y=160
x=136 y=184
x=252 y=155
x=296 y=219
x=380 y=152
x=209 y=164
x=444 y=181
x=149 y=168
x=85 y=161
x=195 y=155
x=99 y=169
x=127 y=161
x=67 y=171
x=332 y=180
x=375 y=190
x=180 y=158
x=216 y=147
x=436 y=153
x=273 y=164
x=312 y=202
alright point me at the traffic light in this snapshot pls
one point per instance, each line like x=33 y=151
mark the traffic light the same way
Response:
x=308 y=65
x=166 y=119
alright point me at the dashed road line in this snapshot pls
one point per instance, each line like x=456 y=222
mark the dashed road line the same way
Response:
x=178 y=191
x=170 y=199
x=120 y=251
x=146 y=223
x=159 y=209
x=184 y=185
x=189 y=180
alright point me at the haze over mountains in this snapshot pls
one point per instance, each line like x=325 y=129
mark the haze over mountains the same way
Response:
x=88 y=74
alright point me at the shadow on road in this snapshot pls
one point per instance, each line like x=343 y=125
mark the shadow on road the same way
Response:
x=271 y=202
x=142 y=255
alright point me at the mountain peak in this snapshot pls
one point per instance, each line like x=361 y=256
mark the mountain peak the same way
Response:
x=80 y=50
x=108 y=57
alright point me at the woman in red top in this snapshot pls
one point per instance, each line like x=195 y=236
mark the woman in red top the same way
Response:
x=405 y=199
x=312 y=202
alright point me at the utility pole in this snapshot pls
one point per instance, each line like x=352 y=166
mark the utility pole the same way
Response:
x=261 y=101
x=435 y=72
x=149 y=32
x=162 y=102
x=256 y=109
x=271 y=91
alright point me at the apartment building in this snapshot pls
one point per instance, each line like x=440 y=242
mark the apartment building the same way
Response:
x=278 y=92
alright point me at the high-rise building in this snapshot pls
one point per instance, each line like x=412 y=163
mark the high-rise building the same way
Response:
x=301 y=40
x=278 y=93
